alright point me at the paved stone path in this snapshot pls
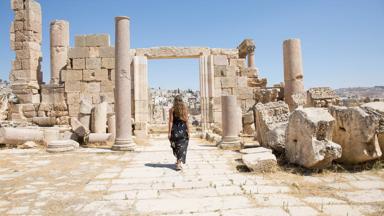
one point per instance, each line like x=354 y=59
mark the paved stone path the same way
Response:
x=100 y=182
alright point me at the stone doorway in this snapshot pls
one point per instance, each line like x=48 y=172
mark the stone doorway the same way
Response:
x=140 y=83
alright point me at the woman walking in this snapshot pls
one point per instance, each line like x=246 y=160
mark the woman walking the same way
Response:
x=178 y=130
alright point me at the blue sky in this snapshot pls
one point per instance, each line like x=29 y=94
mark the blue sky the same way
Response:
x=342 y=40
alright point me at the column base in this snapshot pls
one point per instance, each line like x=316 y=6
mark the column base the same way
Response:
x=124 y=145
x=230 y=143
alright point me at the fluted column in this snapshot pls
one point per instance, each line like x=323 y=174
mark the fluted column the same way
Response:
x=123 y=140
x=293 y=70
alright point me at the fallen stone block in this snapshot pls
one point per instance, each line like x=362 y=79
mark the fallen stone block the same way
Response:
x=28 y=145
x=18 y=136
x=255 y=150
x=356 y=132
x=100 y=139
x=79 y=128
x=309 y=138
x=271 y=122
x=260 y=162
x=44 y=121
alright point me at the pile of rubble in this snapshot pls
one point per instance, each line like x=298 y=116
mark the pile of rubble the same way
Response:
x=314 y=137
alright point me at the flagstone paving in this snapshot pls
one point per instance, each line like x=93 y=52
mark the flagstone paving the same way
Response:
x=144 y=182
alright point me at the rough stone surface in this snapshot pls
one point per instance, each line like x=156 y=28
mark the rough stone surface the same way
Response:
x=255 y=150
x=79 y=128
x=376 y=110
x=309 y=138
x=261 y=161
x=271 y=122
x=356 y=132
x=57 y=146
x=321 y=97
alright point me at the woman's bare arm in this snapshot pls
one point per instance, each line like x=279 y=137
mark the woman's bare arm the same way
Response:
x=187 y=122
x=170 y=122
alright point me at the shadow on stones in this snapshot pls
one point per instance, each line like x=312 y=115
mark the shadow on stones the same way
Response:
x=158 y=165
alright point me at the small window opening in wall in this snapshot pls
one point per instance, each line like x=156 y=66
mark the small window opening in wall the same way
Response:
x=24 y=3
x=295 y=140
x=110 y=74
x=71 y=62
x=93 y=74
x=342 y=129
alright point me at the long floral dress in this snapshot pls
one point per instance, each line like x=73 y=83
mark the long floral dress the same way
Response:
x=179 y=138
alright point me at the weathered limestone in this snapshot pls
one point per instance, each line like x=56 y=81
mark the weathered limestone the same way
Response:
x=100 y=117
x=293 y=70
x=271 y=123
x=59 y=31
x=247 y=49
x=17 y=136
x=321 y=97
x=172 y=52
x=89 y=74
x=356 y=132
x=230 y=138
x=25 y=37
x=376 y=110
x=57 y=146
x=79 y=129
x=51 y=134
x=100 y=139
x=309 y=138
x=263 y=161
x=112 y=126
x=141 y=109
x=123 y=139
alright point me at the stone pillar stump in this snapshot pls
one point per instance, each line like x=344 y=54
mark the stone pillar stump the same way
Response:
x=230 y=138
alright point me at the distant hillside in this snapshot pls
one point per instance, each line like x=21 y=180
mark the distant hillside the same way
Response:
x=361 y=92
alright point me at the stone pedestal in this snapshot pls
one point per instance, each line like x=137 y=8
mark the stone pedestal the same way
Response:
x=293 y=70
x=123 y=141
x=59 y=32
x=230 y=138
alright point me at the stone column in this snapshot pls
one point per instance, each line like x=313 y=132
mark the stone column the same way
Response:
x=251 y=56
x=202 y=93
x=123 y=140
x=293 y=70
x=141 y=96
x=211 y=88
x=230 y=115
x=59 y=32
